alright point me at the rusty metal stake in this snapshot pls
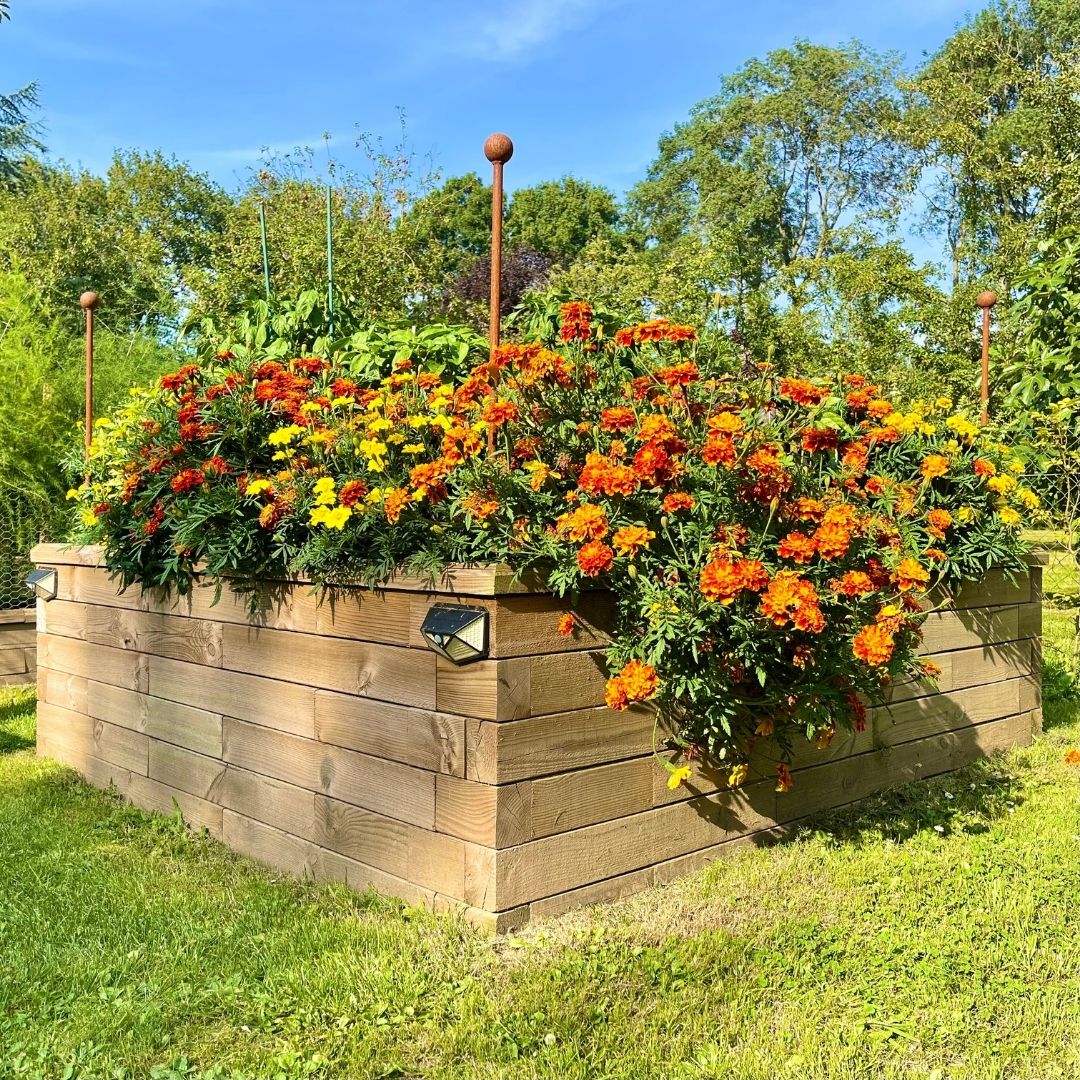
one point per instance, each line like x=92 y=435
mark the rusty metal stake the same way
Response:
x=986 y=300
x=498 y=149
x=88 y=301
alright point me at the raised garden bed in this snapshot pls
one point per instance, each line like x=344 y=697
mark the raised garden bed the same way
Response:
x=326 y=740
x=18 y=653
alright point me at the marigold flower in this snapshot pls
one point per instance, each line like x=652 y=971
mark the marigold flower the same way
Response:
x=618 y=418
x=332 y=518
x=719 y=449
x=499 y=412
x=858 y=711
x=816 y=440
x=615 y=695
x=938 y=521
x=1008 y=516
x=595 y=558
x=720 y=581
x=803 y=392
x=630 y=539
x=879 y=408
x=587 y=522
x=909 y=575
x=639 y=680
x=982 y=467
x=765 y=727
x=831 y=540
x=677 y=776
x=797 y=547
x=677 y=500
x=187 y=480
x=352 y=492
x=678 y=374
x=1072 y=757
x=479 y=505
x=394 y=502
x=784 y=782
x=933 y=466
x=738 y=774
x=567 y=624
x=873 y=645
x=576 y=317
x=853 y=583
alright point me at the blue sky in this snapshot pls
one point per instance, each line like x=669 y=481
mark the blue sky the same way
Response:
x=584 y=87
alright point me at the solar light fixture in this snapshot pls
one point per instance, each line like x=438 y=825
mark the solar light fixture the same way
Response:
x=458 y=632
x=43 y=581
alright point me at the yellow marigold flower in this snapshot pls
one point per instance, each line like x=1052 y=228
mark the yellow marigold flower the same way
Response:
x=413 y=448
x=325 y=495
x=943 y=403
x=89 y=518
x=282 y=455
x=73 y=493
x=963 y=427
x=318 y=438
x=1028 y=498
x=380 y=424
x=396 y=439
x=1009 y=516
x=965 y=515
x=338 y=402
x=372 y=448
x=332 y=519
x=417 y=421
x=285 y=435
x=257 y=487
x=311 y=407
x=374 y=496
x=1015 y=465
x=442 y=422
x=1002 y=484
x=677 y=776
x=738 y=775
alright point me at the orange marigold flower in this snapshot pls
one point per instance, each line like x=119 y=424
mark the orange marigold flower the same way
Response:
x=731 y=423
x=816 y=440
x=479 y=505
x=831 y=540
x=618 y=418
x=909 y=575
x=938 y=521
x=639 y=680
x=935 y=554
x=652 y=464
x=657 y=428
x=678 y=374
x=791 y=598
x=719 y=449
x=395 y=501
x=187 y=480
x=858 y=711
x=567 y=624
x=983 y=467
x=855 y=456
x=808 y=509
x=879 y=408
x=873 y=645
x=576 y=317
x=721 y=580
x=853 y=583
x=677 y=500
x=755 y=576
x=930 y=669
x=1072 y=757
x=765 y=727
x=934 y=465
x=784 y=782
x=797 y=547
x=271 y=514
x=615 y=695
x=352 y=492
x=803 y=392
x=500 y=412
x=630 y=539
x=594 y=558
x=587 y=522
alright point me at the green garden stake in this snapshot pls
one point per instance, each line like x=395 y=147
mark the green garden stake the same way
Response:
x=330 y=261
x=265 y=252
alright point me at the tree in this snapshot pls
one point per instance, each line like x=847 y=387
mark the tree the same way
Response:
x=557 y=219
x=996 y=114
x=18 y=133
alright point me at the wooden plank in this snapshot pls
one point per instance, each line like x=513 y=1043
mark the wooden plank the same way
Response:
x=273 y=802
x=482 y=813
x=569 y=860
x=420 y=737
x=392 y=789
x=15 y=617
x=179 y=768
x=67 y=691
x=95 y=771
x=159 y=798
x=487 y=689
x=273 y=605
x=922 y=717
x=429 y=859
x=994 y=590
x=948 y=630
x=572 y=800
x=159 y=718
x=563 y=683
x=962 y=668
x=363 y=615
x=285 y=706
x=67 y=555
x=501 y=753
x=1030 y=620
x=26 y=678
x=118 y=667
x=13 y=662
x=17 y=634
x=128 y=749
x=404 y=676
x=86 y=585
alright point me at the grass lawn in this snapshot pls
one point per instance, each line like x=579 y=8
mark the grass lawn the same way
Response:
x=932 y=933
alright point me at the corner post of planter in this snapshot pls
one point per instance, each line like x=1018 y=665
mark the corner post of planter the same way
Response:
x=88 y=301
x=498 y=149
x=986 y=300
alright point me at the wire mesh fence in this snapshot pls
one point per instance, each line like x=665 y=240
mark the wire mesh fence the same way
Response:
x=19 y=531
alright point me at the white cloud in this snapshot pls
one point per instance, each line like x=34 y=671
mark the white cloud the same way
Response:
x=517 y=27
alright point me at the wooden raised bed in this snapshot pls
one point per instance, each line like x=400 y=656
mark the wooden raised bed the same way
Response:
x=18 y=652
x=325 y=740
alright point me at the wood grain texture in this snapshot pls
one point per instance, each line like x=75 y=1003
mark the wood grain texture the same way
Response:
x=945 y=630
x=118 y=667
x=420 y=737
x=159 y=718
x=117 y=745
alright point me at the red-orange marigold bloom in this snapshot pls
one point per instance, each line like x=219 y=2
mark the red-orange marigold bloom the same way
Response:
x=938 y=521
x=934 y=465
x=630 y=539
x=187 y=480
x=730 y=423
x=394 y=502
x=983 y=467
x=873 y=645
x=909 y=575
x=803 y=392
x=721 y=581
x=797 y=547
x=879 y=408
x=853 y=583
x=677 y=500
x=719 y=449
x=808 y=509
x=500 y=412
x=618 y=418
x=858 y=711
x=587 y=522
x=615 y=695
x=816 y=440
x=784 y=782
x=567 y=624
x=594 y=558
x=832 y=540
x=352 y=492
x=651 y=464
x=678 y=374
x=1072 y=757
x=216 y=466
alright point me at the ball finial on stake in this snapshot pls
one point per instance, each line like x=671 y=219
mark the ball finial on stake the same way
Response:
x=986 y=299
x=89 y=300
x=498 y=147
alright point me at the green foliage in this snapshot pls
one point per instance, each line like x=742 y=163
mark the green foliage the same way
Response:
x=559 y=218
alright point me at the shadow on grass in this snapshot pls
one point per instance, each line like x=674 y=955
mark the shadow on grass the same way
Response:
x=16 y=724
